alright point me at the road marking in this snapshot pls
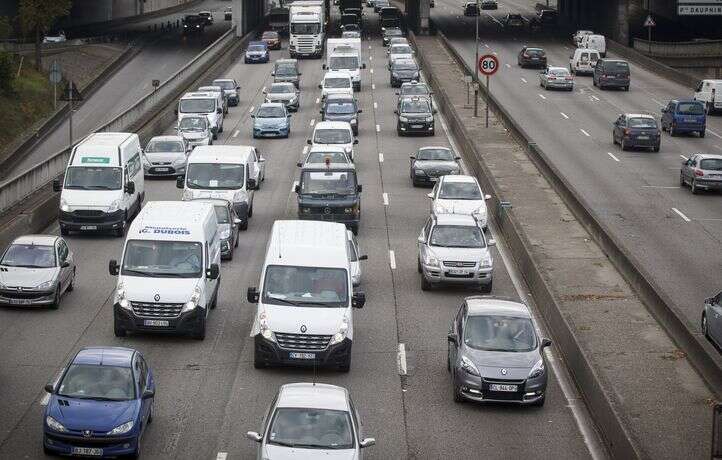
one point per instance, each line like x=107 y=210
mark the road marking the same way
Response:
x=684 y=218
x=371 y=58
x=373 y=86
x=507 y=66
x=310 y=123
x=392 y=260
x=381 y=157
x=594 y=98
x=263 y=90
x=613 y=157
x=385 y=197
x=318 y=100
x=661 y=186
x=305 y=149
x=378 y=128
x=584 y=132
x=44 y=400
x=524 y=80
x=376 y=106
x=564 y=115
x=543 y=96
x=487 y=46
x=401 y=359
x=236 y=133
x=221 y=456
x=684 y=157
x=658 y=103
x=251 y=109
x=371 y=70
x=713 y=133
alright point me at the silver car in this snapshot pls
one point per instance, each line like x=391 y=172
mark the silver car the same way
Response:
x=311 y=420
x=285 y=93
x=495 y=354
x=231 y=89
x=355 y=257
x=556 y=78
x=165 y=156
x=459 y=194
x=430 y=163
x=196 y=130
x=228 y=225
x=454 y=250
x=702 y=171
x=36 y=270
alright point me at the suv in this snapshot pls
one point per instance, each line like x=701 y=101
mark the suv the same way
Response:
x=341 y=107
x=633 y=130
x=684 y=116
x=415 y=115
x=610 y=73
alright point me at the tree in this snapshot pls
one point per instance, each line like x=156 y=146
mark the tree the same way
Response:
x=6 y=29
x=36 y=16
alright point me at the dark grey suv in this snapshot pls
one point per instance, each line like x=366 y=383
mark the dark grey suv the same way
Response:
x=341 y=107
x=494 y=353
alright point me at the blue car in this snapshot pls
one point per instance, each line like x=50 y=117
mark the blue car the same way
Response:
x=271 y=120
x=684 y=116
x=257 y=52
x=100 y=405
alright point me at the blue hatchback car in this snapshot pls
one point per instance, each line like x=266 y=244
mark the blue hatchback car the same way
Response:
x=271 y=120
x=684 y=116
x=100 y=405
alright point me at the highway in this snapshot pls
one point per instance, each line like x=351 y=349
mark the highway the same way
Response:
x=159 y=58
x=209 y=394
x=674 y=235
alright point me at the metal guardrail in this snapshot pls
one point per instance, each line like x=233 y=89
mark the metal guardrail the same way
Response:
x=693 y=49
x=23 y=184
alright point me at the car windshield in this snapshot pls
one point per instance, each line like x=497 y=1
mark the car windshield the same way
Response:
x=29 y=256
x=320 y=157
x=305 y=286
x=340 y=108
x=223 y=216
x=216 y=176
x=460 y=191
x=256 y=48
x=420 y=106
x=690 y=108
x=225 y=84
x=457 y=236
x=350 y=34
x=642 y=122
x=164 y=146
x=270 y=35
x=197 y=105
x=285 y=70
x=93 y=178
x=404 y=65
x=559 y=72
x=414 y=90
x=711 y=164
x=311 y=428
x=104 y=383
x=163 y=259
x=332 y=136
x=271 y=112
x=616 y=67
x=193 y=124
x=343 y=62
x=435 y=155
x=400 y=49
x=499 y=333
x=282 y=88
x=334 y=82
x=305 y=28
x=328 y=182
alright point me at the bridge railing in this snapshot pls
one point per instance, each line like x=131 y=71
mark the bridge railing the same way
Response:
x=692 y=49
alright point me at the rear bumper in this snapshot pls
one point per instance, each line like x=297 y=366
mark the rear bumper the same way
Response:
x=272 y=354
x=683 y=127
x=708 y=184
x=613 y=82
x=473 y=388
x=632 y=141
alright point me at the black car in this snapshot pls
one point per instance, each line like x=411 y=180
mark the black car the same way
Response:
x=636 y=130
x=430 y=163
x=380 y=4
x=611 y=73
x=532 y=57
x=390 y=33
x=330 y=192
x=403 y=70
x=415 y=116
x=341 y=107
x=489 y=5
x=193 y=24
x=513 y=21
x=471 y=9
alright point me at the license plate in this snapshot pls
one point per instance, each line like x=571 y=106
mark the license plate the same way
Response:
x=162 y=169
x=302 y=355
x=535 y=59
x=500 y=387
x=88 y=227
x=456 y=271
x=433 y=179
x=417 y=126
x=20 y=301
x=690 y=119
x=93 y=451
x=643 y=137
x=156 y=323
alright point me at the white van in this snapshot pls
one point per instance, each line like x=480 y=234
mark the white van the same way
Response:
x=168 y=275
x=305 y=297
x=594 y=42
x=336 y=82
x=709 y=92
x=334 y=133
x=201 y=103
x=103 y=186
x=344 y=54
x=230 y=172
x=583 y=61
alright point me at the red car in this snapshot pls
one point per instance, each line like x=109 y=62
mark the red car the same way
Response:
x=272 y=39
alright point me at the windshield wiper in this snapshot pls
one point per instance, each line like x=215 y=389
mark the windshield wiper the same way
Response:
x=127 y=271
x=277 y=299
x=283 y=443
x=316 y=304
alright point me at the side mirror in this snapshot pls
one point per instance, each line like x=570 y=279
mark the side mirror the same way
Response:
x=65 y=264
x=359 y=111
x=308 y=141
x=237 y=221
x=363 y=66
x=251 y=184
x=363 y=257
x=434 y=111
x=359 y=188
x=213 y=272
x=355 y=141
x=129 y=188
x=252 y=295
x=545 y=343
x=452 y=338
x=148 y=393
x=491 y=242
x=299 y=74
x=412 y=157
x=299 y=164
x=57 y=187
x=297 y=188
x=430 y=195
x=663 y=110
x=253 y=116
x=253 y=436
x=238 y=87
x=320 y=86
x=49 y=388
x=180 y=181
x=288 y=116
x=367 y=442
x=396 y=111
x=358 y=300
x=457 y=158
x=487 y=197
x=219 y=111
x=323 y=67
x=113 y=267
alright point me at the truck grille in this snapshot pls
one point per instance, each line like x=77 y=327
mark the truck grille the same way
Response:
x=302 y=341
x=157 y=310
x=305 y=45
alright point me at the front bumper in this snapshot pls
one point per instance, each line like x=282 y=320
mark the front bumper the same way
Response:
x=332 y=356
x=27 y=297
x=82 y=220
x=250 y=59
x=423 y=127
x=185 y=323
x=112 y=446
x=466 y=276
x=163 y=170
x=270 y=132
x=474 y=388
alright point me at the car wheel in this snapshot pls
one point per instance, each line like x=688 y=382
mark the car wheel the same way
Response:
x=71 y=286
x=418 y=266
x=693 y=187
x=656 y=148
x=709 y=109
x=614 y=139
x=448 y=359
x=701 y=133
x=623 y=144
x=425 y=285
x=594 y=82
x=244 y=225
x=250 y=212
x=136 y=453
x=120 y=232
x=56 y=300
x=214 y=303
x=626 y=88
x=258 y=362
x=236 y=243
x=682 y=182
x=705 y=326
x=118 y=331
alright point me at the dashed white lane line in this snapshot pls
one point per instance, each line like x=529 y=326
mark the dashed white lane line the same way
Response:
x=251 y=109
x=310 y=123
x=401 y=359
x=371 y=58
x=487 y=46
x=376 y=105
x=594 y=98
x=714 y=133
x=44 y=400
x=507 y=66
x=564 y=115
x=670 y=187
x=385 y=197
x=378 y=128
x=613 y=157
x=381 y=157
x=318 y=100
x=373 y=86
x=543 y=96
x=684 y=157
x=236 y=133
x=263 y=90
x=585 y=133
x=684 y=218
x=524 y=80
x=392 y=260
x=222 y=456
x=371 y=70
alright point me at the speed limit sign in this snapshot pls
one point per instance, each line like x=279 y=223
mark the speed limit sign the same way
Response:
x=488 y=64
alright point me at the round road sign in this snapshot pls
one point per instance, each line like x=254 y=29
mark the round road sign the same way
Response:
x=488 y=64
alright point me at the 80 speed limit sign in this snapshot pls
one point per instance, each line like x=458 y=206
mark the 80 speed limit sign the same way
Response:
x=488 y=64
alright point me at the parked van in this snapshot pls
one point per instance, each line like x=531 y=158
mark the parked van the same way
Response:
x=611 y=73
x=583 y=61
x=169 y=271
x=286 y=71
x=103 y=186
x=208 y=104
x=230 y=172
x=595 y=42
x=305 y=297
x=710 y=93
x=684 y=116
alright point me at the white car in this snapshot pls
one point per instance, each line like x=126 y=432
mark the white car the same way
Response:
x=355 y=257
x=330 y=133
x=58 y=38
x=399 y=51
x=459 y=194
x=336 y=82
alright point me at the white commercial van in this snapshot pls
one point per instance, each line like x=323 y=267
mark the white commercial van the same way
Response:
x=305 y=297
x=103 y=186
x=709 y=92
x=344 y=54
x=230 y=172
x=583 y=60
x=594 y=42
x=334 y=133
x=201 y=103
x=168 y=275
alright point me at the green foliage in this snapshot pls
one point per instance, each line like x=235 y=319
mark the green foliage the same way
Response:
x=6 y=28
x=30 y=100
x=41 y=14
x=6 y=73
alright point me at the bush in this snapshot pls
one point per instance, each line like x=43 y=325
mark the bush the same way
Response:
x=6 y=72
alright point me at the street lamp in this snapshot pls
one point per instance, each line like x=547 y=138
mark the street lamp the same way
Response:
x=476 y=62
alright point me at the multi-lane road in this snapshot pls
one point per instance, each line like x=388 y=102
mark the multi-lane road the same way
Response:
x=209 y=394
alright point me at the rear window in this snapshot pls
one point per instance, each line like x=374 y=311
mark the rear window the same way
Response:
x=535 y=52
x=616 y=67
x=690 y=108
x=711 y=164
x=642 y=123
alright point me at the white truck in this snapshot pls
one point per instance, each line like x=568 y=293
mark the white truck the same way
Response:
x=307 y=28
x=345 y=54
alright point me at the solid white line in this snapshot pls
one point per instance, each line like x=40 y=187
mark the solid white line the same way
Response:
x=594 y=98
x=376 y=106
x=543 y=96
x=251 y=109
x=524 y=80
x=564 y=115
x=613 y=157
x=713 y=133
x=584 y=132
x=684 y=157
x=44 y=400
x=236 y=133
x=381 y=157
x=385 y=197
x=310 y=123
x=684 y=218
x=661 y=186
x=318 y=100
x=401 y=359
x=378 y=128
x=221 y=456
x=305 y=149
x=371 y=58
x=392 y=260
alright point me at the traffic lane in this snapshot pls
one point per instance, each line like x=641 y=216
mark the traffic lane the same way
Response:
x=214 y=6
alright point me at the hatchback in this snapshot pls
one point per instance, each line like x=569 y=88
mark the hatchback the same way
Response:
x=415 y=116
x=389 y=33
x=684 y=116
x=494 y=353
x=341 y=107
x=257 y=52
x=531 y=57
x=414 y=88
x=459 y=194
x=400 y=51
x=636 y=130
x=231 y=89
x=101 y=404
x=285 y=93
x=702 y=171
x=271 y=120
x=403 y=70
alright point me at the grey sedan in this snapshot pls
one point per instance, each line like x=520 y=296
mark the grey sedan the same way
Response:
x=702 y=171
x=494 y=353
x=556 y=77
x=36 y=270
x=712 y=319
x=430 y=163
x=285 y=93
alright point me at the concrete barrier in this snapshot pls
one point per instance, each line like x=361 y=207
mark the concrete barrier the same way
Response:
x=693 y=49
x=652 y=64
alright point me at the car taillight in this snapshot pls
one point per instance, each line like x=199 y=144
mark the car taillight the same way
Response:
x=698 y=173
x=525 y=55
x=627 y=131
x=569 y=77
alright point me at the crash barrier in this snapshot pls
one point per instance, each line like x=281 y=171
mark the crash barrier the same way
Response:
x=692 y=49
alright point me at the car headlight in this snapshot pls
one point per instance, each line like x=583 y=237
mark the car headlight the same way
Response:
x=403 y=119
x=353 y=121
x=486 y=262
x=193 y=301
x=266 y=332
x=419 y=172
x=45 y=285
x=54 y=424
x=468 y=366
x=240 y=196
x=122 y=429
x=120 y=296
x=429 y=119
x=538 y=369
x=342 y=331
x=64 y=205
x=431 y=260
x=114 y=206
x=225 y=234
x=187 y=194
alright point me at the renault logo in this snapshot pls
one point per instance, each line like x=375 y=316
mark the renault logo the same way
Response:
x=157 y=297
x=327 y=210
x=303 y=328
x=503 y=371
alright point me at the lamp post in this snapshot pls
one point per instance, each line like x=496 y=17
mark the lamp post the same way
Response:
x=476 y=63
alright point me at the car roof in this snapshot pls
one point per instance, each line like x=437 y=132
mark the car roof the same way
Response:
x=413 y=97
x=166 y=138
x=218 y=153
x=328 y=167
x=486 y=305
x=336 y=74
x=286 y=61
x=224 y=79
x=552 y=67
x=340 y=96
x=105 y=356
x=459 y=178
x=710 y=156
x=316 y=396
x=332 y=125
x=639 y=115
x=434 y=147
x=38 y=240
x=455 y=219
x=327 y=148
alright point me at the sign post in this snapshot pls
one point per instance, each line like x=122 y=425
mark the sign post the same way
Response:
x=55 y=76
x=468 y=79
x=488 y=65
x=649 y=23
x=71 y=94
